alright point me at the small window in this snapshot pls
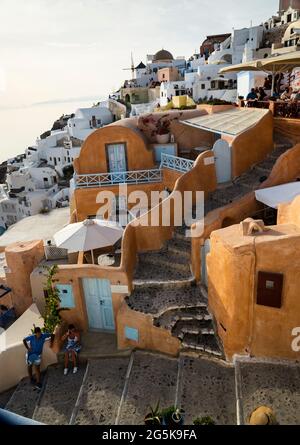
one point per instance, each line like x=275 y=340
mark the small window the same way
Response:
x=269 y=289
x=45 y=179
x=131 y=334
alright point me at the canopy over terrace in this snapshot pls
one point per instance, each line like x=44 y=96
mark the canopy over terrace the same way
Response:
x=280 y=194
x=232 y=122
x=274 y=65
x=88 y=235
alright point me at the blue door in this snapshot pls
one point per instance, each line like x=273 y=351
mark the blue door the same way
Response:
x=222 y=153
x=98 y=300
x=116 y=158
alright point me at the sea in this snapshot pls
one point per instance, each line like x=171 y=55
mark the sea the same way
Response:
x=20 y=127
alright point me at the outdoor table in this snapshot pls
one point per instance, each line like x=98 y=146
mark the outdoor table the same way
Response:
x=106 y=260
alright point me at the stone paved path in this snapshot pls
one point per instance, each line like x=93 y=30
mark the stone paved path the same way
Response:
x=102 y=391
x=153 y=378
x=277 y=386
x=119 y=390
x=207 y=389
x=59 y=396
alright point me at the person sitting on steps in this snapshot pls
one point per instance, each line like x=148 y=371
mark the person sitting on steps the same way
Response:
x=72 y=348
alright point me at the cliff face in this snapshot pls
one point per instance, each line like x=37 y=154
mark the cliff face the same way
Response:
x=3 y=168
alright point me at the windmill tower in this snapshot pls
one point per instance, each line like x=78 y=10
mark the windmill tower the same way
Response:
x=132 y=69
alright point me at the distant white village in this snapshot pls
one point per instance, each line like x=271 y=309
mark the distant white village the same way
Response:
x=39 y=180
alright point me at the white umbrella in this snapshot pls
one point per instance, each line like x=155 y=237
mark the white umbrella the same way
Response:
x=88 y=235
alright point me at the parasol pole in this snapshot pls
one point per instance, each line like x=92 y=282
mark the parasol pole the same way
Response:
x=93 y=259
x=273 y=83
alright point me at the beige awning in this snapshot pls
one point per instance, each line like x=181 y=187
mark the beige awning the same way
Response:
x=279 y=64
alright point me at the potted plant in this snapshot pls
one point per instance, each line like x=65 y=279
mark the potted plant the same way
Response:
x=154 y=417
x=204 y=421
x=172 y=416
x=163 y=131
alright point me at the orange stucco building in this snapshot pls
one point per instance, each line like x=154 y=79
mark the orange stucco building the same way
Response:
x=254 y=285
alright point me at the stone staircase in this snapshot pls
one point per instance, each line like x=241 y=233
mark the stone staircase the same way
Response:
x=194 y=327
x=171 y=263
x=249 y=181
x=166 y=289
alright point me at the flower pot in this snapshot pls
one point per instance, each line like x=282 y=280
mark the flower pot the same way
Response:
x=163 y=138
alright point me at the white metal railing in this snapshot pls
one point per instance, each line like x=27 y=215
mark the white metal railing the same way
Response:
x=107 y=179
x=175 y=163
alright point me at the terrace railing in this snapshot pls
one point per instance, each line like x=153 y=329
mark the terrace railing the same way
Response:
x=108 y=179
x=174 y=163
x=290 y=110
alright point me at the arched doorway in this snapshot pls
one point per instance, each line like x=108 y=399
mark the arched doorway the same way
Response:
x=222 y=153
x=127 y=98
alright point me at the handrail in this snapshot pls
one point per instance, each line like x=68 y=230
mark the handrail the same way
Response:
x=127 y=177
x=175 y=163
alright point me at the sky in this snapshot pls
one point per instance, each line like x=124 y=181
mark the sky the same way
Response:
x=56 y=55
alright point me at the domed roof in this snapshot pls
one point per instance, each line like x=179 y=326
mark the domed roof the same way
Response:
x=163 y=55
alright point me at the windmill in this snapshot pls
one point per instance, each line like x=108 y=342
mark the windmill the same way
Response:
x=132 y=69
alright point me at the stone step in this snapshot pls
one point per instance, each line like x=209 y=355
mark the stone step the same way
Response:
x=141 y=285
x=59 y=397
x=193 y=318
x=26 y=397
x=153 y=378
x=101 y=392
x=178 y=263
x=148 y=272
x=208 y=341
x=191 y=331
x=187 y=346
x=159 y=300
x=178 y=249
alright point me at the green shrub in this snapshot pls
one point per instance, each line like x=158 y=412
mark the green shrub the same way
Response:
x=204 y=421
x=52 y=310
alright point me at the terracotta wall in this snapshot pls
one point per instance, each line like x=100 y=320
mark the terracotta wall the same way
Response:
x=252 y=146
x=201 y=178
x=185 y=136
x=212 y=109
x=93 y=157
x=289 y=213
x=287 y=129
x=230 y=286
x=168 y=74
x=21 y=259
x=86 y=198
x=272 y=328
x=286 y=169
x=244 y=326
x=150 y=337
